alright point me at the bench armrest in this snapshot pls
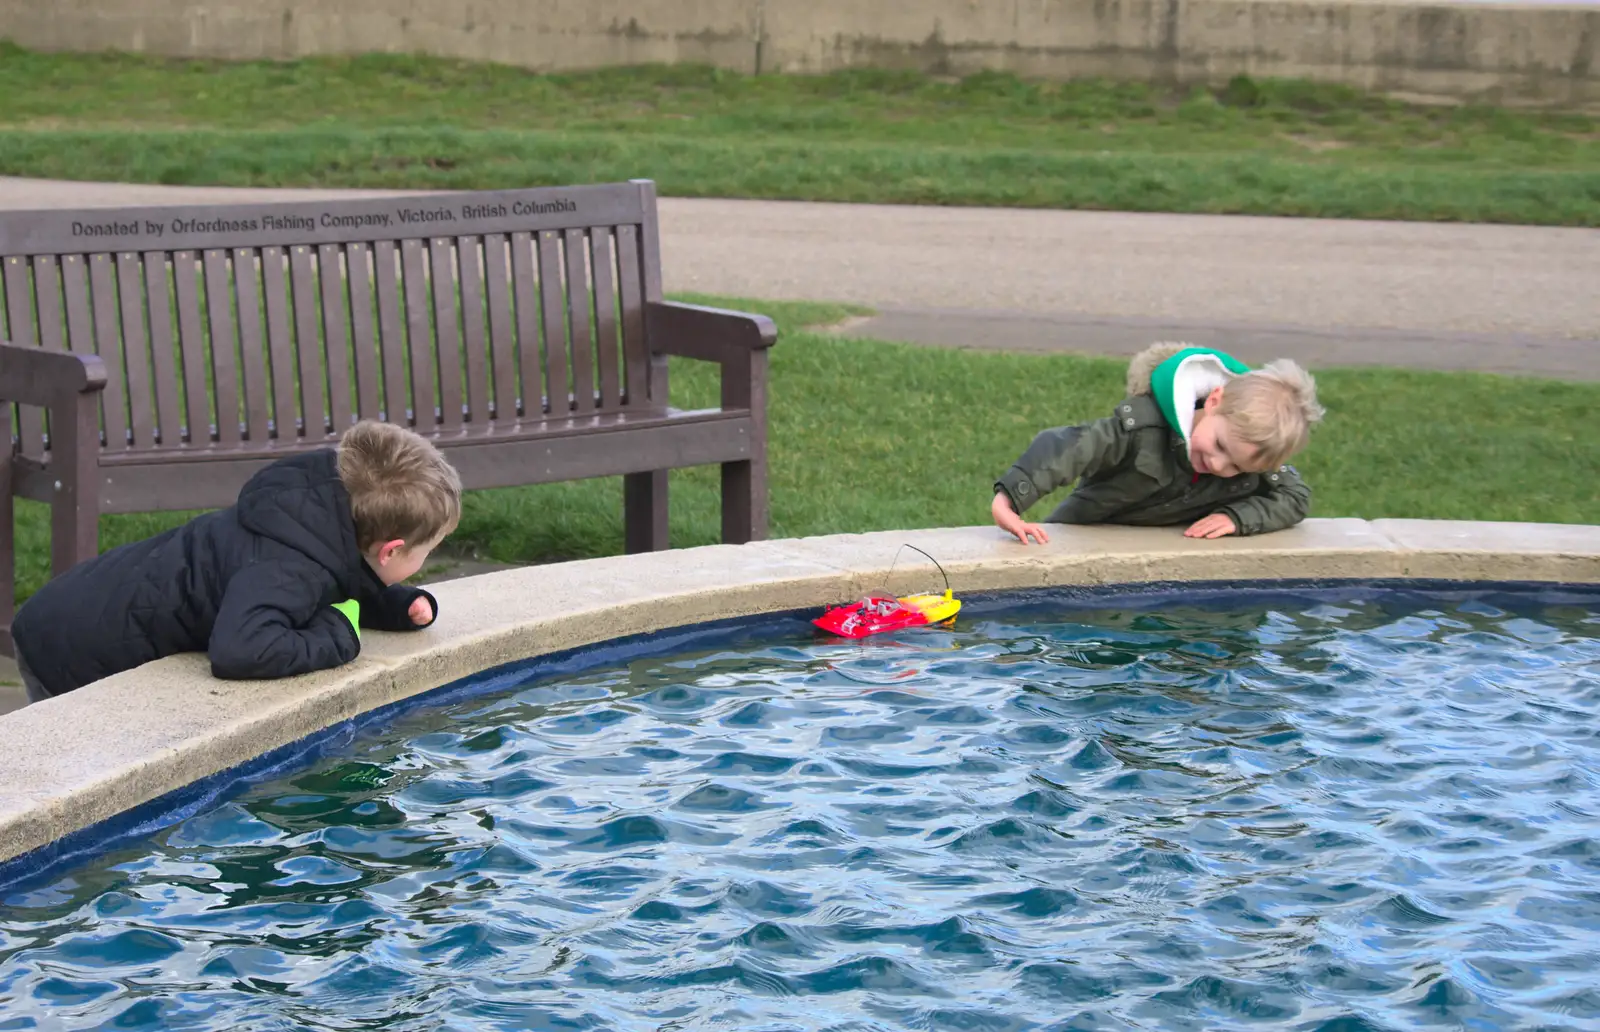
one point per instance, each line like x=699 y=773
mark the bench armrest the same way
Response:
x=41 y=376
x=709 y=334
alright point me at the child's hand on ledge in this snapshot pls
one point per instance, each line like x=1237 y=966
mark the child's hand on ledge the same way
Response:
x=1218 y=524
x=1007 y=520
x=421 y=612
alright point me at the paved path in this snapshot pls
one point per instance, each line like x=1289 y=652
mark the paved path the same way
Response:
x=1495 y=298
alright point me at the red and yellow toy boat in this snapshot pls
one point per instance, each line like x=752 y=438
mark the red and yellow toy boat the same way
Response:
x=877 y=614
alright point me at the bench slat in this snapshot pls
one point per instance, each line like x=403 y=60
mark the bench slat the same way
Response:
x=68 y=285
x=419 y=337
x=523 y=281
x=191 y=341
x=224 y=347
x=280 y=345
x=391 y=330
x=108 y=342
x=608 y=446
x=546 y=430
x=447 y=332
x=71 y=286
x=141 y=398
x=163 y=348
x=551 y=303
x=307 y=342
x=8 y=517
x=247 y=273
x=472 y=337
x=580 y=315
x=20 y=312
x=650 y=273
x=637 y=388
x=72 y=278
x=502 y=332
x=607 y=346
x=196 y=227
x=336 y=336
x=186 y=284
x=363 y=345
x=47 y=288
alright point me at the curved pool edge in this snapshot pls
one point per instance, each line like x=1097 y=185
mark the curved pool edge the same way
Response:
x=75 y=762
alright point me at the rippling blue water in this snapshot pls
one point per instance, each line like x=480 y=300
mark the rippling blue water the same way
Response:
x=1338 y=815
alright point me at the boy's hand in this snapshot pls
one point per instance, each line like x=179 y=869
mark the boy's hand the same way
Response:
x=1007 y=520
x=421 y=612
x=1218 y=524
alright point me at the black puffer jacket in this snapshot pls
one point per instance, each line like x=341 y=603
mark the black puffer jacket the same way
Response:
x=252 y=585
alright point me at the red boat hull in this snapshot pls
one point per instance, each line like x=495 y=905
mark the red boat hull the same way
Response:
x=872 y=615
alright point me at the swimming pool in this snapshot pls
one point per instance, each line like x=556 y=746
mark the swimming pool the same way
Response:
x=1346 y=809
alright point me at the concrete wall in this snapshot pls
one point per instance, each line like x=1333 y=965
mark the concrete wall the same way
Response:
x=1520 y=53
x=541 y=34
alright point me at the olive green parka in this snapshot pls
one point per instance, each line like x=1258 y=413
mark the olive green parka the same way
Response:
x=1132 y=467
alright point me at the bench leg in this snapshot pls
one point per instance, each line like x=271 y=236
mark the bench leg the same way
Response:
x=744 y=484
x=744 y=501
x=8 y=537
x=644 y=511
x=75 y=509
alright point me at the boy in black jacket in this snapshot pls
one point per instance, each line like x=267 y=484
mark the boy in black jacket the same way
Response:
x=279 y=584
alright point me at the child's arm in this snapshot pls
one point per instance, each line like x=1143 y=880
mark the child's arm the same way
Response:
x=272 y=624
x=1055 y=458
x=396 y=609
x=1282 y=500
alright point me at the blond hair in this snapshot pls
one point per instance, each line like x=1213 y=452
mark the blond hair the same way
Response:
x=400 y=487
x=1272 y=409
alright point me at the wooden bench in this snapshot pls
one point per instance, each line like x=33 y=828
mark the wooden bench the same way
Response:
x=158 y=357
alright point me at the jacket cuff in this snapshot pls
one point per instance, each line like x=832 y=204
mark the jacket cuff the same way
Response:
x=1240 y=527
x=433 y=603
x=394 y=614
x=1018 y=488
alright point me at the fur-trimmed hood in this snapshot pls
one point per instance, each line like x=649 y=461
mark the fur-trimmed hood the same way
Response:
x=1143 y=365
x=1179 y=377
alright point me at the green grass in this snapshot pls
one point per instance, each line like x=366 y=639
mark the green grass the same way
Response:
x=874 y=436
x=1288 y=148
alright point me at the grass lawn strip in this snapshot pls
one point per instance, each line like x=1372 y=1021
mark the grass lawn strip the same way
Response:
x=1271 y=148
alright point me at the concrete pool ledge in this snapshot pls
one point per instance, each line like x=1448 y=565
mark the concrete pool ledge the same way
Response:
x=69 y=763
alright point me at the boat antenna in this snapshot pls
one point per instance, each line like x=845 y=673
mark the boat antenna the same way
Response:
x=926 y=556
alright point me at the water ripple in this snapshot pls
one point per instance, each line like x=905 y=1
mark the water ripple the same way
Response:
x=1361 y=815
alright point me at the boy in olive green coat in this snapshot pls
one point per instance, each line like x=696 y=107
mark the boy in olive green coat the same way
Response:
x=1200 y=439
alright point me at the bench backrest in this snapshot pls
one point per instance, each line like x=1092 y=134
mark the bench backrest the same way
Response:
x=270 y=326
